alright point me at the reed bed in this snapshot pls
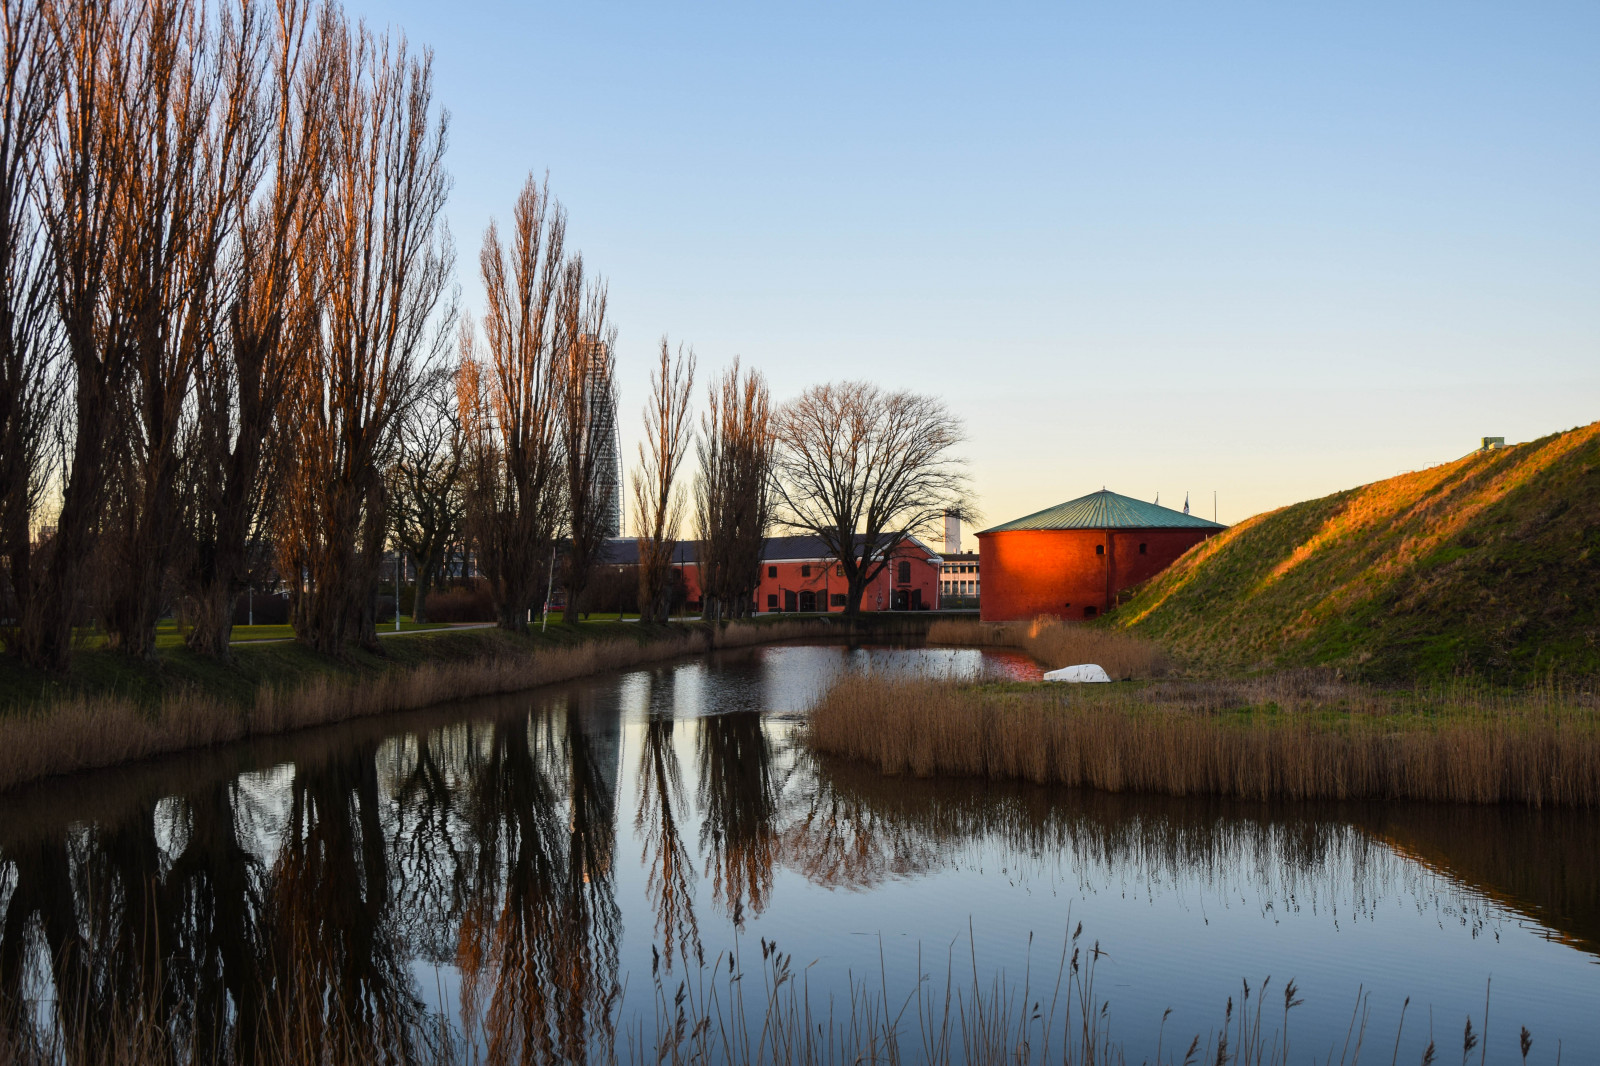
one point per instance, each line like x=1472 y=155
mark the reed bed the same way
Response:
x=81 y=733
x=1055 y=644
x=1297 y=736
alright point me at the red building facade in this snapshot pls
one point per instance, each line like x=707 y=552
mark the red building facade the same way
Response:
x=1072 y=560
x=798 y=575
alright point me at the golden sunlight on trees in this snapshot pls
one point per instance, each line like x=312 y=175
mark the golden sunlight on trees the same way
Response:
x=383 y=263
x=510 y=401
x=657 y=500
x=863 y=469
x=733 y=494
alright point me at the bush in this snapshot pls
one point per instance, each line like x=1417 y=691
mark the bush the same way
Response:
x=470 y=602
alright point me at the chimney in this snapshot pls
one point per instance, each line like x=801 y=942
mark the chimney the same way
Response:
x=952 y=534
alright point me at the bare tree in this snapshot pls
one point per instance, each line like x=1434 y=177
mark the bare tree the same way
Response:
x=384 y=260
x=31 y=381
x=83 y=180
x=732 y=495
x=510 y=403
x=657 y=500
x=426 y=484
x=270 y=314
x=863 y=469
x=588 y=439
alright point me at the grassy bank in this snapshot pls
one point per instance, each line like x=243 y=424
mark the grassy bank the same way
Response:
x=1486 y=565
x=110 y=710
x=1295 y=736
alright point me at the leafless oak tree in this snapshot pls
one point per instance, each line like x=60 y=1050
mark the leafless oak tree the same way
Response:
x=657 y=499
x=269 y=318
x=31 y=381
x=427 y=482
x=588 y=438
x=864 y=469
x=510 y=403
x=732 y=493
x=384 y=261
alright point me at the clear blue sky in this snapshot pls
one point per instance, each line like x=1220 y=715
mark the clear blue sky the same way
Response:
x=1271 y=250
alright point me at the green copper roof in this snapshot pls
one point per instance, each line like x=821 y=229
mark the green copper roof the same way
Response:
x=1107 y=510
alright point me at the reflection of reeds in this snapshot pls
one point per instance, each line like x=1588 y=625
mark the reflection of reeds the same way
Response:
x=89 y=732
x=1056 y=644
x=1286 y=737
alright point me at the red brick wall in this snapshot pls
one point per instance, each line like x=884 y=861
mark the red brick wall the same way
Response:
x=1026 y=573
x=824 y=581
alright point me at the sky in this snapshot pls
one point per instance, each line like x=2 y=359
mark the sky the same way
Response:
x=1262 y=251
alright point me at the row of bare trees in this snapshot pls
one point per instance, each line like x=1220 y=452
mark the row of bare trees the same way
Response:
x=225 y=260
x=226 y=324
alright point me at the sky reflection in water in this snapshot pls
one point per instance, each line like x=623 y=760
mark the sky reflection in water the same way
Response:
x=527 y=863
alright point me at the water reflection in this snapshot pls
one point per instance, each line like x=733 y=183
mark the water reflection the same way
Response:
x=372 y=891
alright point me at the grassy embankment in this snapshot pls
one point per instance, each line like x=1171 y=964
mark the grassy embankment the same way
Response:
x=109 y=709
x=1300 y=735
x=1488 y=566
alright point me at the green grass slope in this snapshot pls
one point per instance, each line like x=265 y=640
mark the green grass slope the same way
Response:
x=1488 y=566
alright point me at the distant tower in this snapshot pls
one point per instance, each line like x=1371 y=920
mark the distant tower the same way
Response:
x=952 y=534
x=602 y=392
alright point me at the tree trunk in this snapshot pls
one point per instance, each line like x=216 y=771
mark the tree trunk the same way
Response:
x=419 y=599
x=212 y=631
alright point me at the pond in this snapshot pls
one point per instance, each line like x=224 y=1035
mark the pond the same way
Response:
x=537 y=876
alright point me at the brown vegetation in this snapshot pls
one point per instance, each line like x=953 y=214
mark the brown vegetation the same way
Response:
x=89 y=732
x=509 y=403
x=657 y=499
x=1056 y=644
x=733 y=495
x=1296 y=736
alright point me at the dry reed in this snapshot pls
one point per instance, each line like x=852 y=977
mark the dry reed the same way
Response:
x=1056 y=644
x=92 y=732
x=1295 y=737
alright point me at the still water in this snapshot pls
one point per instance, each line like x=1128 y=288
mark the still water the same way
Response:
x=541 y=871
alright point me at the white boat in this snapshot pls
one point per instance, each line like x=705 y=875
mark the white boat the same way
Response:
x=1087 y=673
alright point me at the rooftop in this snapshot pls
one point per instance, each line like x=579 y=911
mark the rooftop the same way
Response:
x=1106 y=510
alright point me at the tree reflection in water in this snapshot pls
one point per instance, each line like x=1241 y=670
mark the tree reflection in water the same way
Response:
x=539 y=933
x=281 y=914
x=738 y=805
x=658 y=821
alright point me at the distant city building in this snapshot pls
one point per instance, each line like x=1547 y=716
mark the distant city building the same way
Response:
x=603 y=437
x=1071 y=560
x=958 y=573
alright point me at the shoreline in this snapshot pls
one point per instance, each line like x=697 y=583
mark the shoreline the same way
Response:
x=182 y=702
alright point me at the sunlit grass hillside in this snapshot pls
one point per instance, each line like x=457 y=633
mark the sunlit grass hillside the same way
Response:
x=1489 y=565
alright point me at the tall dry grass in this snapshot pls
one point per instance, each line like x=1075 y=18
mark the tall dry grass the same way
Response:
x=1055 y=644
x=726 y=1012
x=91 y=732
x=1294 y=737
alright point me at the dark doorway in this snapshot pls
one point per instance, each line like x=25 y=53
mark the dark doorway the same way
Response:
x=789 y=603
x=902 y=599
x=808 y=602
x=1090 y=612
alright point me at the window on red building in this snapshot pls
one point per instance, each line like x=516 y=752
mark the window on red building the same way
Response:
x=805 y=569
x=905 y=572
x=772 y=571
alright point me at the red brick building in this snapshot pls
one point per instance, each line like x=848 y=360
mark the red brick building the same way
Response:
x=798 y=574
x=1071 y=560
